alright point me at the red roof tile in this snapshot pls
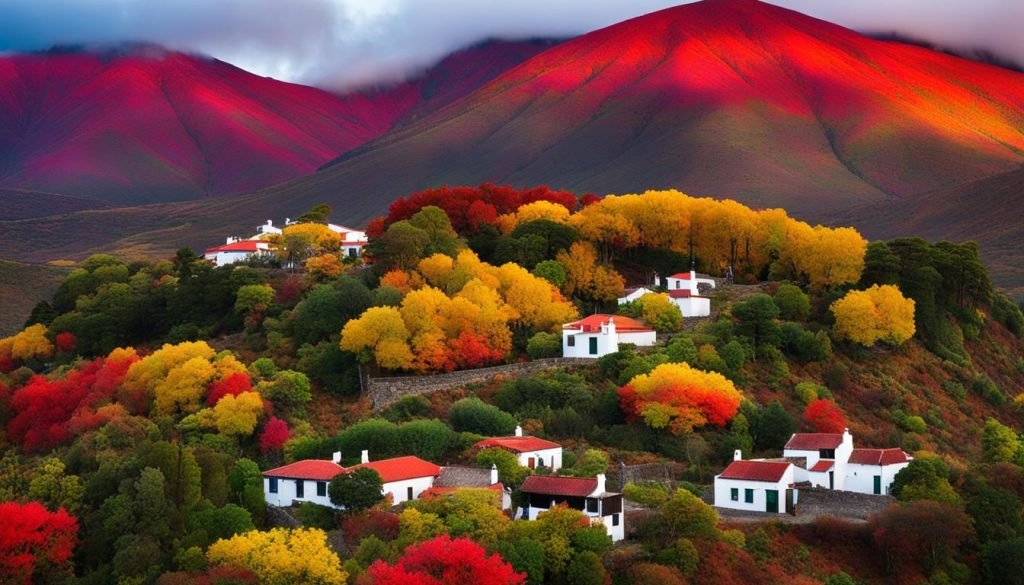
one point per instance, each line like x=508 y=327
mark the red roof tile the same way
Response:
x=242 y=246
x=814 y=441
x=593 y=323
x=518 y=444
x=878 y=456
x=399 y=468
x=822 y=466
x=681 y=275
x=314 y=469
x=771 y=471
x=577 y=487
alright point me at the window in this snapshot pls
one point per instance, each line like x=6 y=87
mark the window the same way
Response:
x=615 y=519
x=300 y=488
x=321 y=488
x=572 y=341
x=878 y=484
x=408 y=493
x=592 y=505
x=827 y=453
x=273 y=485
x=593 y=346
x=734 y=494
x=748 y=496
x=352 y=252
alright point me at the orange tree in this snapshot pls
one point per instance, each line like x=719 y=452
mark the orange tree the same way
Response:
x=680 y=398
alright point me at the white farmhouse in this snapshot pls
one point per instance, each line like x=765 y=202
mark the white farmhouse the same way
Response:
x=236 y=250
x=598 y=335
x=404 y=478
x=352 y=240
x=871 y=471
x=826 y=454
x=302 y=481
x=532 y=452
x=633 y=294
x=586 y=494
x=757 y=485
x=684 y=291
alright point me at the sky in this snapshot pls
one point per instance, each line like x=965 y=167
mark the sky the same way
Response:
x=346 y=43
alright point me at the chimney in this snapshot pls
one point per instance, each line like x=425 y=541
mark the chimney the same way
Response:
x=600 y=484
x=494 y=474
x=336 y=457
x=737 y=455
x=519 y=431
x=270 y=222
x=365 y=457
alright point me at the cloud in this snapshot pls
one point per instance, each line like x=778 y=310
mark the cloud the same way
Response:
x=341 y=43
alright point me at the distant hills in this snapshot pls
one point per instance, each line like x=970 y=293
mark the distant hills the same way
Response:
x=728 y=98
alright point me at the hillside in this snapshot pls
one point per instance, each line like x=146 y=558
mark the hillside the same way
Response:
x=21 y=287
x=137 y=124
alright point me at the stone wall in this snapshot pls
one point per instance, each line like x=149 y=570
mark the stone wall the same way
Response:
x=824 y=502
x=385 y=391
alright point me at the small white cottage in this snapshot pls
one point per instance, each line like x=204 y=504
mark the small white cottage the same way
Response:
x=236 y=250
x=757 y=485
x=826 y=454
x=598 y=335
x=532 y=452
x=404 y=478
x=586 y=494
x=871 y=471
x=684 y=291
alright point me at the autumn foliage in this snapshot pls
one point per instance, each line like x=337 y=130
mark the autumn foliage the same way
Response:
x=443 y=561
x=880 y=313
x=680 y=398
x=281 y=556
x=31 y=535
x=823 y=416
x=234 y=385
x=275 y=434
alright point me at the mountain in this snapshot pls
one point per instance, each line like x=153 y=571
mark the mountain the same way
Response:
x=135 y=124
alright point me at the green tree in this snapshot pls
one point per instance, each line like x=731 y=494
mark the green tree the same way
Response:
x=684 y=515
x=772 y=426
x=594 y=461
x=55 y=489
x=544 y=345
x=1001 y=562
x=317 y=214
x=254 y=299
x=441 y=237
x=357 y=490
x=793 y=304
x=526 y=556
x=402 y=245
x=586 y=568
x=998 y=442
x=925 y=478
x=552 y=271
x=475 y=416
x=755 y=320
x=510 y=472
x=881 y=265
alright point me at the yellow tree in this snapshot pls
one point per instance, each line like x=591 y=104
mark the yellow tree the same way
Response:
x=580 y=262
x=660 y=312
x=281 y=556
x=536 y=302
x=300 y=241
x=184 y=386
x=379 y=334
x=324 y=267
x=144 y=375
x=437 y=269
x=532 y=212
x=880 y=313
x=31 y=343
x=237 y=415
x=680 y=398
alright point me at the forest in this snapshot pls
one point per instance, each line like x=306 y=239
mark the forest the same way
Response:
x=139 y=406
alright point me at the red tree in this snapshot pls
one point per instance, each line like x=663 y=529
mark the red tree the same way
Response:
x=470 y=350
x=65 y=341
x=30 y=535
x=275 y=434
x=919 y=534
x=234 y=385
x=824 y=417
x=443 y=561
x=383 y=525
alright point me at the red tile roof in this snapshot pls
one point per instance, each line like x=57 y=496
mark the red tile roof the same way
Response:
x=681 y=293
x=314 y=469
x=518 y=444
x=681 y=275
x=593 y=323
x=878 y=456
x=822 y=466
x=399 y=468
x=771 y=471
x=814 y=441
x=242 y=246
x=577 y=487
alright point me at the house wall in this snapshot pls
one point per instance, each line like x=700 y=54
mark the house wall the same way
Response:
x=861 y=478
x=286 y=490
x=552 y=458
x=616 y=532
x=723 y=497
x=694 y=306
x=633 y=296
x=399 y=490
x=606 y=343
x=640 y=339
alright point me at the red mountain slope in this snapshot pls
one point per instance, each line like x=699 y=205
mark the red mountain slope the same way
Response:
x=138 y=124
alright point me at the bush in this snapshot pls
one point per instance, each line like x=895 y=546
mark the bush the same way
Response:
x=651 y=495
x=793 y=304
x=807 y=392
x=375 y=435
x=987 y=389
x=317 y=516
x=544 y=345
x=682 y=350
x=408 y=408
x=1009 y=314
x=356 y=491
x=427 y=439
x=473 y=415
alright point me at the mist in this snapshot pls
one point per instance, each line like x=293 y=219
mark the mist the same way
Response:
x=341 y=44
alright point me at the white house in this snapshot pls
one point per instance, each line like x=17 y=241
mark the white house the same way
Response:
x=684 y=291
x=826 y=454
x=453 y=478
x=871 y=471
x=598 y=335
x=532 y=452
x=404 y=478
x=236 y=250
x=586 y=494
x=633 y=294
x=267 y=229
x=757 y=485
x=302 y=481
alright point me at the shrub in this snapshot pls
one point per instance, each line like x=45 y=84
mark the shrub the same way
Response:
x=317 y=516
x=651 y=495
x=793 y=304
x=807 y=392
x=357 y=490
x=428 y=439
x=544 y=345
x=473 y=415
x=408 y=408
x=987 y=389
x=682 y=350
x=1009 y=314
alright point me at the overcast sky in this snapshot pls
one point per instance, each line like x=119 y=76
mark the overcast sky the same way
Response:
x=340 y=43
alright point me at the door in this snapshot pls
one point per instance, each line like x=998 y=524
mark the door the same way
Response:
x=593 y=346
x=878 y=484
x=771 y=501
x=408 y=493
x=831 y=480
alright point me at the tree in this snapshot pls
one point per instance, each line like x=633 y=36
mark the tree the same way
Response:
x=441 y=237
x=684 y=515
x=379 y=334
x=1002 y=561
x=756 y=320
x=253 y=299
x=510 y=472
x=793 y=304
x=586 y=568
x=469 y=512
x=881 y=265
x=319 y=213
x=998 y=442
x=233 y=385
x=925 y=478
x=444 y=561
x=544 y=345
x=238 y=415
x=660 y=312
x=356 y=490
x=280 y=555
x=297 y=242
x=275 y=434
x=880 y=313
x=32 y=537
x=772 y=426
x=823 y=416
x=920 y=534
x=679 y=398
x=552 y=271
x=473 y=415
x=594 y=461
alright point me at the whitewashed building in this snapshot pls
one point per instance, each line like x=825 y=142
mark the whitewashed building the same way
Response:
x=236 y=250
x=827 y=455
x=532 y=452
x=633 y=294
x=871 y=471
x=404 y=478
x=598 y=335
x=758 y=485
x=302 y=481
x=586 y=494
x=684 y=291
